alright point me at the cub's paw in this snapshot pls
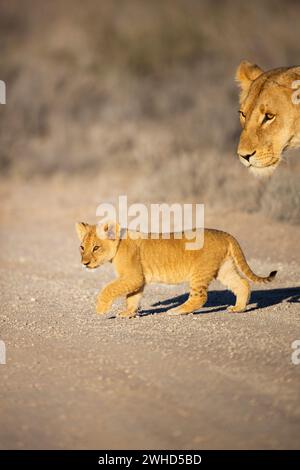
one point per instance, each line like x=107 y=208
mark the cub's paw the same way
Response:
x=102 y=308
x=236 y=309
x=177 y=311
x=127 y=314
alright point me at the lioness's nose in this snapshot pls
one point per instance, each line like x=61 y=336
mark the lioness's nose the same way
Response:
x=86 y=263
x=248 y=155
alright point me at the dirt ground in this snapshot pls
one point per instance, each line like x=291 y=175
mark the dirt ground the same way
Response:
x=77 y=380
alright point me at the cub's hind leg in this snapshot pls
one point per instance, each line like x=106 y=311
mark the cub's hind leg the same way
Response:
x=229 y=276
x=197 y=297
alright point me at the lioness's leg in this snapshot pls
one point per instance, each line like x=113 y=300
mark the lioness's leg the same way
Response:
x=115 y=289
x=133 y=301
x=197 y=297
x=229 y=276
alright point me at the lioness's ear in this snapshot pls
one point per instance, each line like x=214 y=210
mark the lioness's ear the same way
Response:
x=108 y=230
x=246 y=73
x=293 y=73
x=81 y=229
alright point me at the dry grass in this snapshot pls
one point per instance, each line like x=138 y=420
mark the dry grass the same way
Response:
x=143 y=88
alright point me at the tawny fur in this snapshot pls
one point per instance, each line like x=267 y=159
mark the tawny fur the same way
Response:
x=269 y=117
x=142 y=261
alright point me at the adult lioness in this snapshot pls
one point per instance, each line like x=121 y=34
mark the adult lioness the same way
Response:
x=269 y=114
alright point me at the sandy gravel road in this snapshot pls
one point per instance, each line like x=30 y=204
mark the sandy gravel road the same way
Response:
x=77 y=380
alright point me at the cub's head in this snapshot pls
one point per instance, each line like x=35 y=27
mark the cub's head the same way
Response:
x=98 y=243
x=269 y=116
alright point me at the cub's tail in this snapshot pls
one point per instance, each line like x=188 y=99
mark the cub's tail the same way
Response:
x=241 y=263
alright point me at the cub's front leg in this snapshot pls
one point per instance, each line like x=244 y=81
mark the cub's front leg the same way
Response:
x=103 y=304
x=132 y=301
x=119 y=287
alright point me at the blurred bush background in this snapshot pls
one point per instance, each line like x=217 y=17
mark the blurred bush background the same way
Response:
x=144 y=89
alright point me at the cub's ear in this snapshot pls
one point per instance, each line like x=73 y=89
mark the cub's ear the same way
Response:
x=108 y=230
x=81 y=229
x=246 y=73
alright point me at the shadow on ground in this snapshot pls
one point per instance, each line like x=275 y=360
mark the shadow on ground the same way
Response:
x=220 y=299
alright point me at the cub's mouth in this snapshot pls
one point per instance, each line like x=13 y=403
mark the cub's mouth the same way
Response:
x=89 y=267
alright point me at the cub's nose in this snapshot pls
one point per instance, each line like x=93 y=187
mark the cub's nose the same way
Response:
x=247 y=156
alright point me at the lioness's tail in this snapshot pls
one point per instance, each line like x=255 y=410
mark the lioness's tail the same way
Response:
x=241 y=263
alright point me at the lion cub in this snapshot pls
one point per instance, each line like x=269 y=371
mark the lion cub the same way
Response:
x=141 y=261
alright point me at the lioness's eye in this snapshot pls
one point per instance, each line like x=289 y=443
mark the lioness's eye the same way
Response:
x=96 y=248
x=268 y=117
x=242 y=114
x=81 y=248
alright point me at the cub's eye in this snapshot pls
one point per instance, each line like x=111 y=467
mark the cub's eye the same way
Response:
x=268 y=117
x=242 y=114
x=96 y=248
x=81 y=248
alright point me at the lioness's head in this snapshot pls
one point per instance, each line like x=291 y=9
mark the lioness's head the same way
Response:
x=269 y=115
x=98 y=243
